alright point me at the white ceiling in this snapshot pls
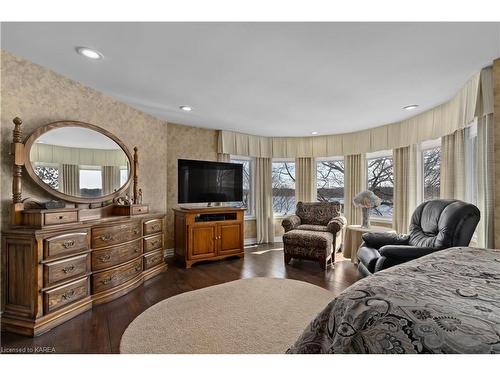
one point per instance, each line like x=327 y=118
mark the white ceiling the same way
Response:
x=280 y=79
x=78 y=137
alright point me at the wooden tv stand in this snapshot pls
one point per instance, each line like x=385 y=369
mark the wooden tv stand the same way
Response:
x=208 y=233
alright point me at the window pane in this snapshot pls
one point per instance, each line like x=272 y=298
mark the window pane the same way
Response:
x=283 y=187
x=330 y=181
x=381 y=182
x=247 y=185
x=123 y=176
x=432 y=173
x=90 y=182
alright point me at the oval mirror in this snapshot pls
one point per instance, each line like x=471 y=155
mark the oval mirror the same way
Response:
x=78 y=162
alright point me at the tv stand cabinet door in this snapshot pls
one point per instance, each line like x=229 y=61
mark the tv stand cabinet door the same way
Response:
x=202 y=241
x=230 y=238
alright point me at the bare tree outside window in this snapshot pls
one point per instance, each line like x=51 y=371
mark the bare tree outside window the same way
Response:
x=247 y=185
x=330 y=181
x=283 y=177
x=381 y=182
x=431 y=173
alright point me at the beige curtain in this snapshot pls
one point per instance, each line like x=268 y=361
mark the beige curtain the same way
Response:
x=70 y=179
x=453 y=165
x=305 y=179
x=405 y=185
x=110 y=179
x=225 y=158
x=264 y=200
x=485 y=183
x=354 y=182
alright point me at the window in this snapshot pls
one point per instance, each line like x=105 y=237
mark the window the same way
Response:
x=123 y=176
x=431 y=174
x=283 y=187
x=380 y=179
x=471 y=177
x=330 y=180
x=248 y=200
x=90 y=182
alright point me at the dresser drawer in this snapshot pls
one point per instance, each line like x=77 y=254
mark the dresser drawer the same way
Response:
x=112 y=256
x=153 y=243
x=140 y=209
x=112 y=235
x=52 y=218
x=66 y=269
x=153 y=226
x=66 y=294
x=65 y=244
x=109 y=279
x=153 y=259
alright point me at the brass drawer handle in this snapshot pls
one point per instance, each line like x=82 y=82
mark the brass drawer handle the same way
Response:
x=68 y=295
x=156 y=227
x=155 y=259
x=105 y=258
x=137 y=249
x=108 y=279
x=68 y=269
x=137 y=231
x=138 y=268
x=69 y=243
x=106 y=237
x=154 y=243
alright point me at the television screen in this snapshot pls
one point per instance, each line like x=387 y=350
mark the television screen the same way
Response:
x=207 y=182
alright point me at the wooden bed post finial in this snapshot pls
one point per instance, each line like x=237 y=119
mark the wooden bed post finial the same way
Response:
x=136 y=176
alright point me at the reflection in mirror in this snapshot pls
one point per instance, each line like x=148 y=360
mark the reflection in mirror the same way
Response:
x=79 y=162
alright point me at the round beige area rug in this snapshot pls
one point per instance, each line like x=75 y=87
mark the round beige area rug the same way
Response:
x=258 y=315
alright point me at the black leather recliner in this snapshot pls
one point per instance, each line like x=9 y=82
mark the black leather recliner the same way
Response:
x=435 y=225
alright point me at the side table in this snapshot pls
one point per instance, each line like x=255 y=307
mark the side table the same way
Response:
x=353 y=239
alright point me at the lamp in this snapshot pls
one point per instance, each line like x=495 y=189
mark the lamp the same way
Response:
x=366 y=200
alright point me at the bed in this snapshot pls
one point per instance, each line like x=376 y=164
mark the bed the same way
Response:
x=446 y=302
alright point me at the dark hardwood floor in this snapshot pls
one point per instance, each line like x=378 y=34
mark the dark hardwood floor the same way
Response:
x=100 y=329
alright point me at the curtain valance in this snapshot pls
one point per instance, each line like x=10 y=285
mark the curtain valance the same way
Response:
x=45 y=153
x=475 y=99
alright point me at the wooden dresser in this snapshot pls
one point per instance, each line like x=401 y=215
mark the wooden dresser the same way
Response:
x=208 y=234
x=57 y=266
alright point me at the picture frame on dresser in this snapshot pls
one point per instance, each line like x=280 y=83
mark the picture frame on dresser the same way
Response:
x=58 y=263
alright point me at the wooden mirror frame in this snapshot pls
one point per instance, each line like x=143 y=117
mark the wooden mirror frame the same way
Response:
x=69 y=198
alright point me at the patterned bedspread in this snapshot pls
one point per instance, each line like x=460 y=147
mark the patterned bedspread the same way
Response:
x=446 y=302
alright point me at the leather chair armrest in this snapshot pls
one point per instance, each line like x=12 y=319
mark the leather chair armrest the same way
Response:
x=405 y=252
x=377 y=240
x=291 y=222
x=337 y=224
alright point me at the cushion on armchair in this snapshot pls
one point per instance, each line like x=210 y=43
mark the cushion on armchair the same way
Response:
x=317 y=213
x=291 y=222
x=337 y=224
x=377 y=240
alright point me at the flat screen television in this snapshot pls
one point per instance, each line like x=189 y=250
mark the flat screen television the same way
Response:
x=209 y=182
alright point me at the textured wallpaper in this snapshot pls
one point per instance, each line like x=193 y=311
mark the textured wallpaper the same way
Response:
x=40 y=96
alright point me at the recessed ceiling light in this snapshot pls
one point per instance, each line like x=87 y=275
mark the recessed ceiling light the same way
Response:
x=186 y=108
x=314 y=133
x=89 y=53
x=410 y=107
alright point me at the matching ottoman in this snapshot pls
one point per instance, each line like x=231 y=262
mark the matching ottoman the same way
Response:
x=308 y=244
